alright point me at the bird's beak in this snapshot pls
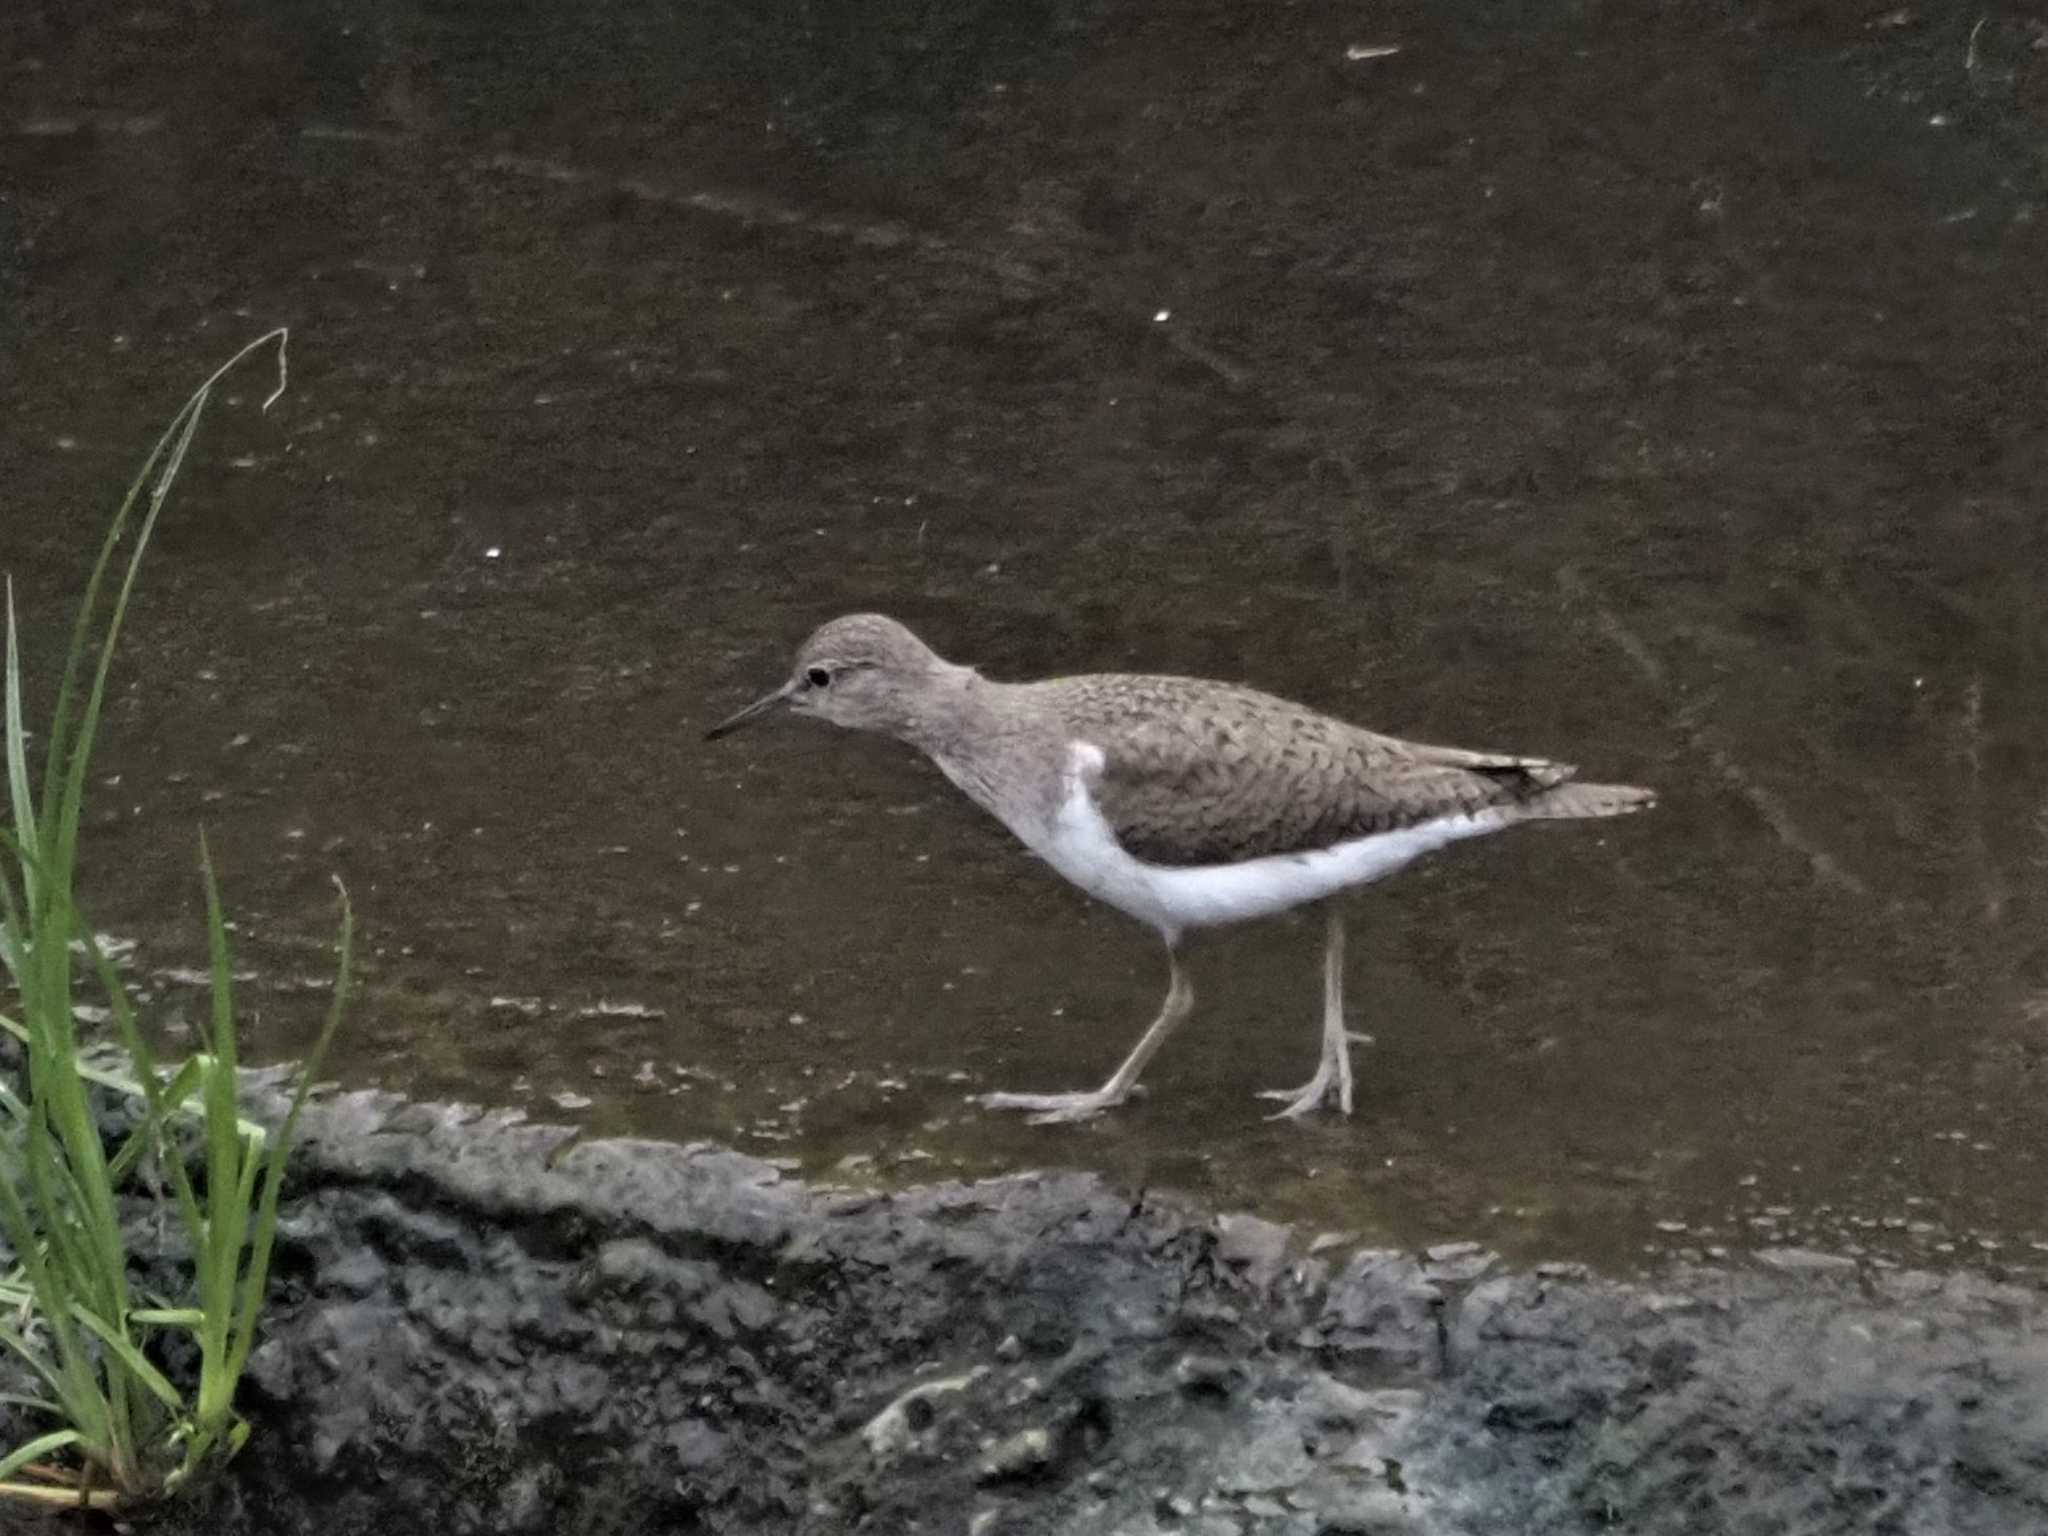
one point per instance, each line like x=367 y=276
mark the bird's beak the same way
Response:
x=760 y=706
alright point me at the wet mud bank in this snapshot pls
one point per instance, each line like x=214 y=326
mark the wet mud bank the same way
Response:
x=481 y=1326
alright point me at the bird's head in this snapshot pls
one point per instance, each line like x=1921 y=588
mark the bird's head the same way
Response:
x=864 y=671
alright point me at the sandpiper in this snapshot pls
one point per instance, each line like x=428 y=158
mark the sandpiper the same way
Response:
x=1184 y=803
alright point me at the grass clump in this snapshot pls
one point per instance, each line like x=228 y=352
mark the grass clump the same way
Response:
x=121 y=1431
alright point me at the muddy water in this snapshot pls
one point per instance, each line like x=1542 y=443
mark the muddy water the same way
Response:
x=1657 y=391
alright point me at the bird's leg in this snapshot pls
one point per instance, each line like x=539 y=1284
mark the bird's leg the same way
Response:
x=1333 y=1071
x=1051 y=1108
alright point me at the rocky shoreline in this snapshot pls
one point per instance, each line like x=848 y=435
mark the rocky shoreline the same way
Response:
x=484 y=1325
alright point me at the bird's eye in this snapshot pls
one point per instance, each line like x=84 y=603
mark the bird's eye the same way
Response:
x=818 y=677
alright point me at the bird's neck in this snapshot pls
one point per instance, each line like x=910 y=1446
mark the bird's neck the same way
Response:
x=952 y=711
x=996 y=747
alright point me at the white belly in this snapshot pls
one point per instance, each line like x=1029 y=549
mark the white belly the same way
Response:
x=1080 y=845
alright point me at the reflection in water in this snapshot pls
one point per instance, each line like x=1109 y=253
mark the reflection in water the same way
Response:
x=1657 y=393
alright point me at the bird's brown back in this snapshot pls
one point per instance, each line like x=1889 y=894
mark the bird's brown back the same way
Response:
x=1199 y=772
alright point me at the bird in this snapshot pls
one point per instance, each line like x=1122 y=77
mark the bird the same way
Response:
x=1182 y=802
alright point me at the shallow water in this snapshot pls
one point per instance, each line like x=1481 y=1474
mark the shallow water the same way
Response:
x=1658 y=392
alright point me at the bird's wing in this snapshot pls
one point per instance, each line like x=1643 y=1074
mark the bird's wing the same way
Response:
x=1203 y=773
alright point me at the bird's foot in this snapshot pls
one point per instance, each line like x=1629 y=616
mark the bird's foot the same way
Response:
x=1328 y=1084
x=1057 y=1108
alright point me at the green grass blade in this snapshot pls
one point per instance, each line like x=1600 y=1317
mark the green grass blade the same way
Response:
x=62 y=838
x=53 y=1077
x=66 y=1289
x=227 y=1173
x=182 y=1083
x=60 y=1098
x=132 y=1151
x=265 y=1233
x=68 y=1269
x=13 y=929
x=36 y=1450
x=68 y=767
x=45 y=1183
x=169 y=1317
x=57 y=753
x=163 y=1102
x=14 y=1340
x=117 y=1340
x=20 y=791
x=222 y=1042
x=16 y=1110
x=245 y=1192
x=155 y=1128
x=65 y=1369
x=60 y=753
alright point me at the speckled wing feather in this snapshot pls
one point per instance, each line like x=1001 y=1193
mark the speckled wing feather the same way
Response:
x=1198 y=772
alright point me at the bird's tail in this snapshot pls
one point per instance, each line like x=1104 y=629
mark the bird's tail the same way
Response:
x=1572 y=801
